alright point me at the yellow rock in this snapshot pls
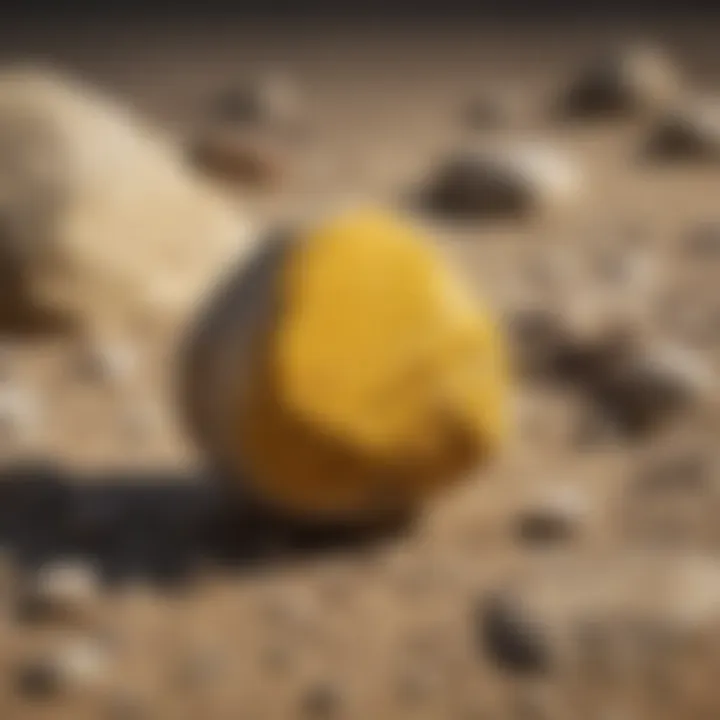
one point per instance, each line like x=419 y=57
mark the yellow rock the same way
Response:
x=375 y=379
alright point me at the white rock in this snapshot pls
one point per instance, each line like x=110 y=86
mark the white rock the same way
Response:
x=98 y=208
x=84 y=663
x=61 y=589
x=76 y=666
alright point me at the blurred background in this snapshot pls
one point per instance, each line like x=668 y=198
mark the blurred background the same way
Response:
x=566 y=158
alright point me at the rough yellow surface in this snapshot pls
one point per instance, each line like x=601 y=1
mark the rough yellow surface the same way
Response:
x=381 y=380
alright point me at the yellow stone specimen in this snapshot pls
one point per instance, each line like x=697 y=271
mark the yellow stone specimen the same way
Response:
x=379 y=380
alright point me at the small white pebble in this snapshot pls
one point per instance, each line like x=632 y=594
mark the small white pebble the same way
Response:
x=76 y=666
x=560 y=514
x=109 y=362
x=64 y=589
x=20 y=414
x=83 y=663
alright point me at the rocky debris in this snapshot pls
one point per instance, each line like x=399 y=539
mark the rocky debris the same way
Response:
x=565 y=611
x=517 y=180
x=599 y=626
x=77 y=666
x=100 y=215
x=636 y=383
x=625 y=83
x=687 y=132
x=510 y=638
x=39 y=680
x=237 y=157
x=84 y=663
x=642 y=386
x=544 y=342
x=569 y=343
x=59 y=591
x=270 y=102
x=558 y=516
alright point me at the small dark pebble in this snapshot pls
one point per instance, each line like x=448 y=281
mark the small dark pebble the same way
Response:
x=688 y=134
x=508 y=637
x=545 y=526
x=642 y=388
x=38 y=680
x=544 y=346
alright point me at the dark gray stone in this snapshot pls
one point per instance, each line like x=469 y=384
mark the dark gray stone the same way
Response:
x=510 y=638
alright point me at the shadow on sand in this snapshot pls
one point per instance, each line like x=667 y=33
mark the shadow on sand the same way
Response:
x=155 y=527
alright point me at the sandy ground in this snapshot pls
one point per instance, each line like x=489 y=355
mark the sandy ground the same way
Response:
x=270 y=625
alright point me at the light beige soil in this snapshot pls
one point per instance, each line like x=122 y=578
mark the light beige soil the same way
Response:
x=388 y=626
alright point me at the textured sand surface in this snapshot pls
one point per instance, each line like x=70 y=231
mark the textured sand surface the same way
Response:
x=273 y=626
